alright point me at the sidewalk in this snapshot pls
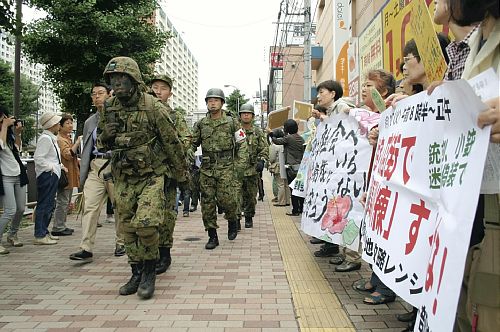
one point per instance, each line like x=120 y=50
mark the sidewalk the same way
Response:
x=265 y=280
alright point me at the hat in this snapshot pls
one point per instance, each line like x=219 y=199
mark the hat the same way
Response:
x=49 y=119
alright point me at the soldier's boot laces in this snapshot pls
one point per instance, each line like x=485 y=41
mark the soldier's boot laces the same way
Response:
x=248 y=222
x=147 y=286
x=131 y=286
x=213 y=240
x=164 y=261
x=232 y=230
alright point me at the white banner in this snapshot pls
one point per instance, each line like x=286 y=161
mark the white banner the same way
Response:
x=422 y=199
x=337 y=173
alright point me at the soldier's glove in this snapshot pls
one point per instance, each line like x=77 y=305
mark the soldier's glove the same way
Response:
x=260 y=166
x=109 y=132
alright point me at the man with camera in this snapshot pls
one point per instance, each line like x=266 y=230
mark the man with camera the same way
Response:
x=96 y=180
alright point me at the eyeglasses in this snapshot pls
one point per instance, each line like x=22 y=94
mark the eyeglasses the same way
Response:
x=408 y=58
x=100 y=93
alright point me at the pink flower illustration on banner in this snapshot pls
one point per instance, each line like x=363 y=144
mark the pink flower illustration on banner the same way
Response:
x=337 y=210
x=366 y=119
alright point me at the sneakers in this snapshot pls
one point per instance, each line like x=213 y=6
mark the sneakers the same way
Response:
x=185 y=214
x=82 y=255
x=47 y=240
x=193 y=208
x=14 y=241
x=3 y=251
x=53 y=237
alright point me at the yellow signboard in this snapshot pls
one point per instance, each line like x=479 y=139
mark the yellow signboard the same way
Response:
x=425 y=37
x=278 y=117
x=301 y=110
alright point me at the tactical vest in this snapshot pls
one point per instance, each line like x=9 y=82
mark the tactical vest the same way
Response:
x=217 y=136
x=137 y=151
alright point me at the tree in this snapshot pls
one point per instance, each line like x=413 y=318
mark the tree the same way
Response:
x=28 y=101
x=76 y=40
x=7 y=16
x=233 y=100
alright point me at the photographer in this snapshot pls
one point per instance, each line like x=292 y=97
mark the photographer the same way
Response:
x=13 y=178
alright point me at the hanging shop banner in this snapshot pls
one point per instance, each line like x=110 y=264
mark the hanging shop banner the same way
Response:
x=336 y=178
x=341 y=34
x=423 y=194
x=353 y=56
x=371 y=54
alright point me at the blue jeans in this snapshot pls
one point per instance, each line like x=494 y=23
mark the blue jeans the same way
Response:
x=46 y=185
x=14 y=202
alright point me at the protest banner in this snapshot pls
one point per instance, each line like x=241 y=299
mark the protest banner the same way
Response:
x=422 y=198
x=336 y=177
x=278 y=117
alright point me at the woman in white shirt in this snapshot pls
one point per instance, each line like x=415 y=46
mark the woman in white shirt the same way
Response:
x=48 y=169
x=13 y=179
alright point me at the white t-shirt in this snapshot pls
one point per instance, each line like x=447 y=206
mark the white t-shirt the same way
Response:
x=8 y=163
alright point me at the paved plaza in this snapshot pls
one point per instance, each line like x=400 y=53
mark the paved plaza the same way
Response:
x=266 y=280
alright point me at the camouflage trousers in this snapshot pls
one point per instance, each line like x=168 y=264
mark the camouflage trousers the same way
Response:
x=249 y=190
x=166 y=228
x=218 y=189
x=142 y=208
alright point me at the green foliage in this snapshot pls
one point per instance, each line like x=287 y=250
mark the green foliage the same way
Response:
x=232 y=102
x=77 y=39
x=28 y=101
x=7 y=15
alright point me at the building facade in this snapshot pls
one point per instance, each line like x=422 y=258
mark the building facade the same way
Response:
x=179 y=63
x=47 y=99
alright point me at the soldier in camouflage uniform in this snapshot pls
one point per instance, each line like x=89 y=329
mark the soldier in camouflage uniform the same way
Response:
x=258 y=154
x=224 y=153
x=162 y=88
x=146 y=153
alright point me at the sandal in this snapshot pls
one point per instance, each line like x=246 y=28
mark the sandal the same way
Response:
x=360 y=285
x=378 y=299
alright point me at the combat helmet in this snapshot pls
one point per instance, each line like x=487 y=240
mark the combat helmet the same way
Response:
x=215 y=93
x=247 y=108
x=126 y=65
x=163 y=78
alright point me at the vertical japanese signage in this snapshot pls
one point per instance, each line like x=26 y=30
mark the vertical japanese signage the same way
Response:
x=422 y=198
x=337 y=168
x=370 y=47
x=353 y=65
x=425 y=37
x=341 y=34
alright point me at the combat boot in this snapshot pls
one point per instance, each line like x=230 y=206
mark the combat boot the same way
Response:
x=131 y=286
x=213 y=240
x=164 y=261
x=147 y=286
x=232 y=230
x=248 y=222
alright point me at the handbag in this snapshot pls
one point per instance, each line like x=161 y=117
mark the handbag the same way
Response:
x=63 y=179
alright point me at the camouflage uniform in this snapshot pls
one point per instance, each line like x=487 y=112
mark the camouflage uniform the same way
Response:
x=258 y=150
x=146 y=154
x=222 y=162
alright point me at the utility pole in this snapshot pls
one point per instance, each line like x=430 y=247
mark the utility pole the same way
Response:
x=307 y=51
x=17 y=58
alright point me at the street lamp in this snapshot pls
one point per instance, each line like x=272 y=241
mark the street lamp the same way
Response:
x=238 y=102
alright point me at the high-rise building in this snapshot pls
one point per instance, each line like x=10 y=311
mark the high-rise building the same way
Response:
x=179 y=63
x=47 y=99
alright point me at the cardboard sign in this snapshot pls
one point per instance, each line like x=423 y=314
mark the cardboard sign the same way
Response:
x=278 y=117
x=302 y=110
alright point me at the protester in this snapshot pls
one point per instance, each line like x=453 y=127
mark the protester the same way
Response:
x=283 y=193
x=70 y=161
x=293 y=145
x=48 y=168
x=13 y=178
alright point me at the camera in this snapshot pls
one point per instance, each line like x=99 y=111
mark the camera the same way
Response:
x=18 y=121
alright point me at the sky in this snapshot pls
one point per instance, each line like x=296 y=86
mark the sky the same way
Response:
x=230 y=39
